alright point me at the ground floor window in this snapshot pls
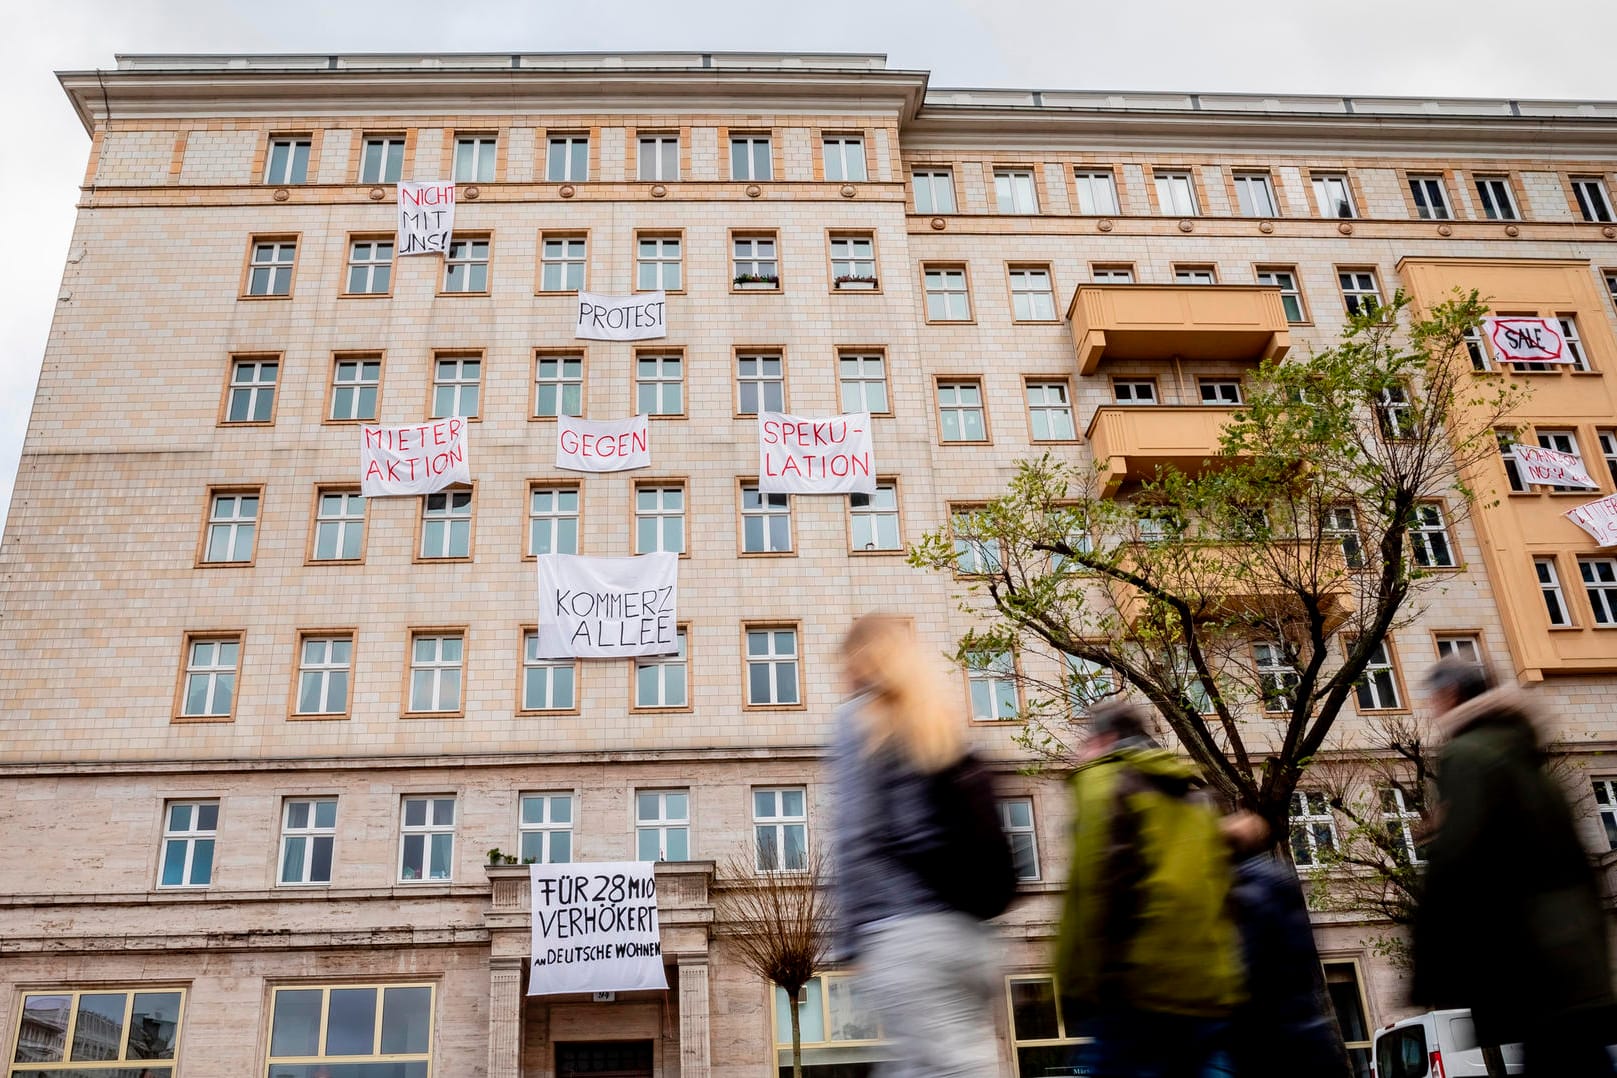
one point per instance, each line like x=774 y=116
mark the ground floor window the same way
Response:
x=1346 y=986
x=619 y=1059
x=838 y=1029
x=357 y=1031
x=70 y=1034
x=1040 y=1040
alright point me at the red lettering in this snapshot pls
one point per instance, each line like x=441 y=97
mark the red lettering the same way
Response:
x=374 y=469
x=637 y=441
x=771 y=432
x=569 y=441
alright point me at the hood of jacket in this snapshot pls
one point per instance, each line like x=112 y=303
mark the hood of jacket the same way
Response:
x=1165 y=770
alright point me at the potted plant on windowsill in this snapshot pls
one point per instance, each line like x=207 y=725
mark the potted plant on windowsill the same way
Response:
x=849 y=282
x=756 y=282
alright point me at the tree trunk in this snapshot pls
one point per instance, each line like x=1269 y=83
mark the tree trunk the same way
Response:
x=797 y=1033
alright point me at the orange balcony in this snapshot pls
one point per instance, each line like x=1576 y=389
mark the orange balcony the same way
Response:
x=1155 y=321
x=1218 y=583
x=1130 y=442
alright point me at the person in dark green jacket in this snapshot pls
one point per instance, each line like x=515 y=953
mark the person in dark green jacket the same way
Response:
x=1148 y=958
x=1510 y=922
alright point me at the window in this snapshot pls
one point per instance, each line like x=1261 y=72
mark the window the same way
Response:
x=863 y=378
x=754 y=260
x=760 y=383
x=1549 y=585
x=1342 y=982
x=545 y=829
x=750 y=158
x=974 y=555
x=370 y=267
x=1507 y=457
x=1611 y=285
x=1332 y=195
x=934 y=190
x=1255 y=195
x=288 y=161
x=356 y=384
x=561 y=263
x=960 y=412
x=1429 y=539
x=446 y=524
x=1277 y=677
x=251 y=395
x=308 y=838
x=657 y=264
x=662 y=825
x=339 y=526
x=1378 y=689
x=1493 y=195
x=1040 y=1039
x=1431 y=200
x=1594 y=204
x=1464 y=646
x=1097 y=193
x=1395 y=414
x=766 y=522
x=137 y=1028
x=455 y=384
x=1608 y=450
x=427 y=839
x=325 y=663
x=1606 y=801
x=1341 y=526
x=1031 y=296
x=1016 y=817
x=211 y=665
x=772 y=667
x=873 y=519
x=1360 y=293
x=558 y=386
x=381 y=159
x=1134 y=391
x=1112 y=274
x=1195 y=275
x=780 y=829
x=269 y=268
x=947 y=298
x=1313 y=829
x=835 y=1021
x=1574 y=343
x=1291 y=297
x=1176 y=194
x=659 y=519
x=547 y=684
x=659 y=157
x=466 y=266
x=346 y=1025
x=991 y=678
x=1600 y=584
x=844 y=157
x=1401 y=822
x=1049 y=410
x=853 y=257
x=1014 y=191
x=567 y=159
x=1562 y=441
x=435 y=671
x=190 y=829
x=1086 y=682
x=474 y=159
x=1476 y=350
x=552 y=520
x=661 y=681
x=1220 y=392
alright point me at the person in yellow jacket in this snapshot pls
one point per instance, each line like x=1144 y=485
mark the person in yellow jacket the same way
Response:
x=1149 y=956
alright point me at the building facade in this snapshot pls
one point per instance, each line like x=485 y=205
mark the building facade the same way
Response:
x=261 y=735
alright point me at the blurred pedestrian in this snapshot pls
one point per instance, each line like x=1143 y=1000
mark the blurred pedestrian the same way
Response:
x=1509 y=922
x=1148 y=958
x=916 y=871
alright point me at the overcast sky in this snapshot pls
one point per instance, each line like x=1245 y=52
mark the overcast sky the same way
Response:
x=1487 y=48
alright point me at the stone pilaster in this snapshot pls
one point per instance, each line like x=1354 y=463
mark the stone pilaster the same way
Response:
x=694 y=1036
x=505 y=1019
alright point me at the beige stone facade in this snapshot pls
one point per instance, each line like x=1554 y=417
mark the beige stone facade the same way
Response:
x=127 y=559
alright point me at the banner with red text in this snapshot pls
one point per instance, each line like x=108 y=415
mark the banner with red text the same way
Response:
x=413 y=460
x=1551 y=468
x=595 y=928
x=426 y=216
x=608 y=608
x=1598 y=518
x=1526 y=340
x=609 y=445
x=640 y=317
x=807 y=455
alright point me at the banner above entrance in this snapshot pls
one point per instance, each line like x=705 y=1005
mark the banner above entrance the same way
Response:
x=595 y=928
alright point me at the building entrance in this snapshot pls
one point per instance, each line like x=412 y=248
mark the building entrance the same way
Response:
x=604 y=1059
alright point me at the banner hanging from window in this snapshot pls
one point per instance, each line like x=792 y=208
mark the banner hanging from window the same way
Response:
x=413 y=460
x=426 y=217
x=641 y=317
x=1526 y=340
x=1551 y=468
x=610 y=445
x=608 y=608
x=1598 y=518
x=804 y=455
x=595 y=928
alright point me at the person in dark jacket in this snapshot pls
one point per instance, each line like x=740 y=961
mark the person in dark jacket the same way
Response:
x=1509 y=922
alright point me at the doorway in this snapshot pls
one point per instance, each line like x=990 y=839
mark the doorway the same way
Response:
x=604 y=1059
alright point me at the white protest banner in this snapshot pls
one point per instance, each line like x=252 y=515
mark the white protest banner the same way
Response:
x=608 y=608
x=413 y=460
x=1527 y=340
x=1598 y=518
x=610 y=445
x=640 y=317
x=426 y=216
x=1551 y=468
x=595 y=928
x=800 y=455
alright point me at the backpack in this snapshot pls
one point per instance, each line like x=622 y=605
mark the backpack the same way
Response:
x=972 y=867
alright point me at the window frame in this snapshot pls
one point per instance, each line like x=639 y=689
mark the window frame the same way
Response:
x=561 y=383
x=407 y=698
x=449 y=518
x=1606 y=439
x=682 y=632
x=663 y=821
x=1098 y=270
x=752 y=138
x=479 y=140
x=939 y=381
x=312 y=832
x=985 y=562
x=258 y=360
x=459 y=356
x=526 y=663
x=1419 y=185
x=1012 y=269
x=1163 y=180
x=833 y=236
x=661 y=355
x=548 y=826
x=997 y=669
x=1484 y=184
x=293 y=140
x=1304 y=822
x=1602 y=611
x=660 y=139
x=1134 y=381
x=322 y=491
x=63 y=1068
x=1374 y=291
x=964 y=270
x=562 y=486
x=849 y=513
x=1456 y=562
x=571 y=137
x=773 y=660
x=1277 y=677
x=664 y=483
x=1065 y=1040
x=1319 y=186
x=1012 y=174
x=338 y=358
x=1605 y=809
x=1085 y=176
x=371 y=265
x=1390 y=665
x=1190 y=273
x=862 y=353
x=660 y=236
x=386 y=139
x=378 y=1017
x=1002 y=804
x=843 y=140
x=767 y=513
x=563 y=236
x=932 y=172
x=1590 y=210
x=189 y=837
x=278 y=239
x=1029 y=381
x=471 y=239
x=1553 y=586
x=429 y=828
x=780 y=823
x=752 y=236
x=1261 y=179
x=188 y=640
x=304 y=636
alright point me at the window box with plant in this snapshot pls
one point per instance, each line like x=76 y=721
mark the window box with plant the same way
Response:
x=854 y=283
x=756 y=282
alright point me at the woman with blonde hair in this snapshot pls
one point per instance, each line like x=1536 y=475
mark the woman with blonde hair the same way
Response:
x=920 y=859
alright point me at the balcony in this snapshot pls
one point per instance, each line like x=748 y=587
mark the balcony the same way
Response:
x=1130 y=442
x=1219 y=583
x=1149 y=321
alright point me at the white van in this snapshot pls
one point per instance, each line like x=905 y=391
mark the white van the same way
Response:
x=1437 y=1044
